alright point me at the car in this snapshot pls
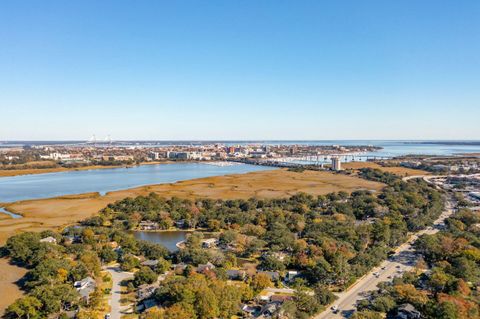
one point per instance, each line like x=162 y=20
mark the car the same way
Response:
x=398 y=267
x=335 y=309
x=383 y=268
x=107 y=316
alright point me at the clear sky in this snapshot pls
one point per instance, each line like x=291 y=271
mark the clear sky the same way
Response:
x=231 y=69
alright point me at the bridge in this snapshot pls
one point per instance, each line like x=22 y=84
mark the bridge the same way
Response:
x=320 y=160
x=309 y=160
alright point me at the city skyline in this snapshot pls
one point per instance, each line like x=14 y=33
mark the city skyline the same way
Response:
x=240 y=71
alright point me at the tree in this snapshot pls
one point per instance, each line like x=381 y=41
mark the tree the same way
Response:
x=324 y=295
x=176 y=311
x=447 y=310
x=384 y=304
x=129 y=262
x=272 y=263
x=306 y=303
x=55 y=297
x=409 y=294
x=206 y=304
x=107 y=254
x=90 y=259
x=144 y=276
x=260 y=281
x=367 y=314
x=26 y=307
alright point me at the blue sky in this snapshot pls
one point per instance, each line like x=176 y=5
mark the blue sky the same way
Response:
x=268 y=69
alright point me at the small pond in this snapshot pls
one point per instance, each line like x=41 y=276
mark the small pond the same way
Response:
x=169 y=239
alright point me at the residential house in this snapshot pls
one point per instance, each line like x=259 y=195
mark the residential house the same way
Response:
x=145 y=291
x=235 y=274
x=209 y=243
x=205 y=267
x=85 y=287
x=150 y=263
x=49 y=239
x=407 y=311
x=148 y=225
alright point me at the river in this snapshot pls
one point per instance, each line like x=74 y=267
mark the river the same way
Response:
x=106 y=180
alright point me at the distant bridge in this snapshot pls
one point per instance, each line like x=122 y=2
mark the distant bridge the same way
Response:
x=309 y=160
x=320 y=160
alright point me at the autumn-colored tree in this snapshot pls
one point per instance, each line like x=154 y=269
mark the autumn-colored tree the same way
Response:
x=409 y=294
x=260 y=281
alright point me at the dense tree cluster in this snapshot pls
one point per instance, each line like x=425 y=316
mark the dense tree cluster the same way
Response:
x=332 y=238
x=445 y=285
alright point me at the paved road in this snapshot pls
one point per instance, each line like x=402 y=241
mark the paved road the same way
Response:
x=118 y=276
x=403 y=260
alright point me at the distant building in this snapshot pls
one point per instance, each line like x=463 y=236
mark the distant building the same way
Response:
x=336 y=163
x=154 y=156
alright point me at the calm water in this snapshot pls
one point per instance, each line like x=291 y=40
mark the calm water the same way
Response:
x=4 y=211
x=168 y=239
x=107 y=180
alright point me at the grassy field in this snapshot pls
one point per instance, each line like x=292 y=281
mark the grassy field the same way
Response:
x=398 y=170
x=9 y=291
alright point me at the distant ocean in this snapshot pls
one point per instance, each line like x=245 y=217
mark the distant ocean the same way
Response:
x=389 y=147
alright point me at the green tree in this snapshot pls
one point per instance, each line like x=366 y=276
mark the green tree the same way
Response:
x=26 y=307
x=144 y=276
x=107 y=254
x=324 y=295
x=447 y=310
x=129 y=262
x=206 y=304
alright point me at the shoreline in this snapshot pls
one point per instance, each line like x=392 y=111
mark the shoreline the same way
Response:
x=36 y=171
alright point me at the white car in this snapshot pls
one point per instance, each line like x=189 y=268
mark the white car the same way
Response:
x=335 y=309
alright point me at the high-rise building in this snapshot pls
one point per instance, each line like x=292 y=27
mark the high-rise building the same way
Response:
x=336 y=163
